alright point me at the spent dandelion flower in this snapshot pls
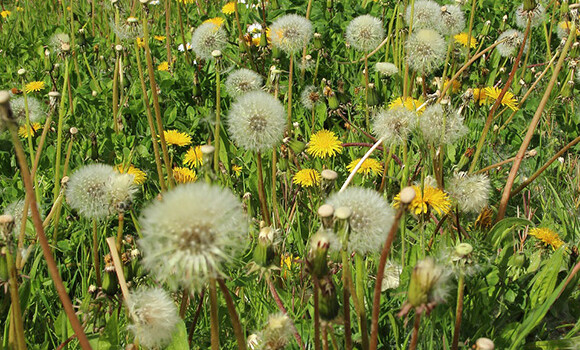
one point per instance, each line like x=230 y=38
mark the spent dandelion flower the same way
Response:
x=365 y=33
x=563 y=29
x=484 y=219
x=34 y=86
x=441 y=126
x=508 y=99
x=462 y=39
x=121 y=189
x=139 y=175
x=452 y=20
x=291 y=33
x=229 y=8
x=307 y=178
x=471 y=191
x=163 y=66
x=311 y=96
x=386 y=68
x=430 y=199
x=36 y=109
x=184 y=175
x=193 y=157
x=241 y=81
x=427 y=288
x=512 y=41
x=277 y=333
x=537 y=15
x=370 y=220
x=323 y=144
x=25 y=130
x=207 y=38
x=177 y=138
x=57 y=40
x=88 y=192
x=154 y=317
x=409 y=103
x=256 y=121
x=426 y=14
x=370 y=166
x=127 y=30
x=455 y=86
x=426 y=50
x=394 y=125
x=547 y=236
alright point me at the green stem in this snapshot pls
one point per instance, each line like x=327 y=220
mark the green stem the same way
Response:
x=215 y=333
x=96 y=258
x=262 y=191
x=458 y=310
x=15 y=302
x=61 y=113
x=216 y=156
x=360 y=287
x=233 y=315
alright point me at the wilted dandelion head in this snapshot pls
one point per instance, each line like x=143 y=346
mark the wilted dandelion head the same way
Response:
x=441 y=126
x=370 y=220
x=394 y=125
x=207 y=38
x=386 y=68
x=88 y=190
x=311 y=96
x=241 y=81
x=537 y=16
x=191 y=233
x=56 y=41
x=154 y=316
x=471 y=191
x=256 y=121
x=325 y=239
x=425 y=14
x=291 y=33
x=452 y=20
x=513 y=41
x=426 y=50
x=277 y=334
x=16 y=210
x=365 y=33
x=428 y=284
x=36 y=109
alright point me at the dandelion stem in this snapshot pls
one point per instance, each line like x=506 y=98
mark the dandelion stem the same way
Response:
x=262 y=191
x=120 y=230
x=367 y=91
x=360 y=287
x=316 y=289
x=182 y=32
x=283 y=309
x=215 y=332
x=15 y=301
x=96 y=260
x=233 y=315
x=290 y=79
x=346 y=302
x=118 y=268
x=469 y=31
x=216 y=153
x=61 y=113
x=415 y=336
x=458 y=310
x=168 y=33
x=116 y=92
x=274 y=194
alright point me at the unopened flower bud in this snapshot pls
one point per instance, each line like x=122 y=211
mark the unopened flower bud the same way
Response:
x=326 y=212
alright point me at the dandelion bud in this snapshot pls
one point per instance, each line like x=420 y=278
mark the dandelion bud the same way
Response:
x=373 y=95
x=333 y=101
x=21 y=71
x=264 y=251
x=328 y=180
x=326 y=212
x=407 y=195
x=110 y=284
x=426 y=286
x=484 y=344
x=327 y=299
x=317 y=41
x=320 y=243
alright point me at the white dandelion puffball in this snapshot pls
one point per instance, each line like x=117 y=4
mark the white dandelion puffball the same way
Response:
x=394 y=125
x=277 y=334
x=513 y=41
x=154 y=316
x=425 y=14
x=441 y=126
x=452 y=20
x=191 y=233
x=207 y=38
x=241 y=81
x=256 y=121
x=122 y=189
x=291 y=33
x=36 y=109
x=386 y=68
x=311 y=96
x=536 y=16
x=88 y=190
x=365 y=33
x=471 y=191
x=370 y=221
x=426 y=50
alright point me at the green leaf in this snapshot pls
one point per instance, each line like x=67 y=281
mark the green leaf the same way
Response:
x=557 y=344
x=545 y=281
x=179 y=341
x=501 y=229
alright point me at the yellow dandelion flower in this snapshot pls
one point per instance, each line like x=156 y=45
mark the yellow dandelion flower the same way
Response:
x=565 y=26
x=508 y=99
x=237 y=170
x=547 y=236
x=186 y=1
x=307 y=178
x=34 y=86
x=19 y=9
x=218 y=21
x=184 y=175
x=193 y=157
x=140 y=43
x=159 y=37
x=369 y=167
x=5 y=13
x=286 y=263
x=431 y=198
x=324 y=144
x=484 y=219
x=139 y=175
x=479 y=96
x=409 y=103
x=229 y=8
x=175 y=137
x=163 y=67
x=455 y=85
x=25 y=131
x=462 y=39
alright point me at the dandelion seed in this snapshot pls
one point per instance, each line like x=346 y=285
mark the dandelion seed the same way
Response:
x=229 y=8
x=537 y=16
x=386 y=68
x=34 y=86
x=394 y=125
x=121 y=189
x=324 y=144
x=365 y=33
x=139 y=175
x=513 y=41
x=193 y=157
x=191 y=233
x=311 y=96
x=307 y=178
x=462 y=39
x=426 y=14
x=452 y=20
x=207 y=38
x=409 y=103
x=426 y=50
x=471 y=191
x=431 y=198
x=184 y=175
x=441 y=126
x=175 y=137
x=256 y=121
x=291 y=33
x=370 y=166
x=154 y=316
x=88 y=190
x=370 y=220
x=241 y=81
x=547 y=237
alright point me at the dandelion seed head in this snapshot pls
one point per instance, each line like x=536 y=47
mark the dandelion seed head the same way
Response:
x=241 y=81
x=471 y=191
x=365 y=33
x=428 y=283
x=16 y=210
x=394 y=125
x=191 y=233
x=127 y=30
x=207 y=38
x=122 y=190
x=441 y=126
x=256 y=121
x=277 y=334
x=513 y=41
x=36 y=109
x=291 y=33
x=536 y=15
x=311 y=96
x=426 y=50
x=386 y=68
x=452 y=20
x=88 y=190
x=426 y=14
x=57 y=40
x=370 y=220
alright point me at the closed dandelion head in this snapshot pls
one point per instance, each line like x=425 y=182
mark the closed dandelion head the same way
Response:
x=370 y=220
x=311 y=96
x=365 y=33
x=324 y=143
x=430 y=199
x=325 y=239
x=452 y=20
x=470 y=191
x=425 y=14
x=394 y=125
x=512 y=41
x=291 y=33
x=36 y=109
x=154 y=317
x=277 y=334
x=386 y=68
x=537 y=15
x=256 y=121
x=547 y=237
x=428 y=285
x=307 y=178
x=88 y=190
x=191 y=233
x=441 y=126
x=426 y=50
x=207 y=38
x=370 y=166
x=241 y=81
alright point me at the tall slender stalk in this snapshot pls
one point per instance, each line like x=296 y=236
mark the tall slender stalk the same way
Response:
x=213 y=306
x=216 y=154
x=290 y=79
x=233 y=315
x=470 y=30
x=15 y=302
x=96 y=258
x=316 y=291
x=415 y=336
x=61 y=113
x=168 y=32
x=367 y=91
x=360 y=281
x=262 y=191
x=458 y=310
